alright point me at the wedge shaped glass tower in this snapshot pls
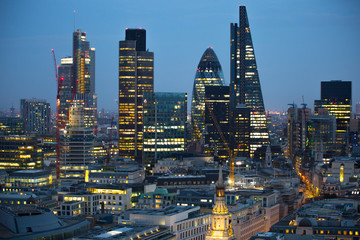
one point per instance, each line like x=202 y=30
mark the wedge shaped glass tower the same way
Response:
x=208 y=73
x=244 y=83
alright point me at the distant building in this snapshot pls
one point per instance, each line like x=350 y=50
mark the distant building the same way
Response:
x=160 y=198
x=36 y=115
x=244 y=80
x=336 y=98
x=136 y=76
x=240 y=130
x=20 y=152
x=11 y=126
x=164 y=122
x=208 y=73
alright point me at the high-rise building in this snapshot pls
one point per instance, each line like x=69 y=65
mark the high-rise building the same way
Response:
x=76 y=144
x=217 y=99
x=208 y=73
x=220 y=220
x=357 y=111
x=20 y=152
x=336 y=99
x=83 y=77
x=240 y=131
x=245 y=83
x=136 y=76
x=165 y=117
x=36 y=115
x=66 y=90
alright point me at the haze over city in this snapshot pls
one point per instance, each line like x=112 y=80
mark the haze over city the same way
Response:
x=297 y=44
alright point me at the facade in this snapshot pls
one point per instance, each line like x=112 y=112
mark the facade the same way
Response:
x=220 y=227
x=240 y=131
x=217 y=106
x=30 y=178
x=20 y=152
x=90 y=202
x=165 y=117
x=245 y=83
x=136 y=76
x=336 y=98
x=76 y=145
x=208 y=73
x=160 y=198
x=36 y=115
x=83 y=77
x=67 y=89
x=11 y=126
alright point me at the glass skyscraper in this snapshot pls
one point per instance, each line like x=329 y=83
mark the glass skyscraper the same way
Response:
x=136 y=76
x=165 y=116
x=208 y=73
x=245 y=84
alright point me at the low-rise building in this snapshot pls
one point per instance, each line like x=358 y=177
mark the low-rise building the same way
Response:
x=30 y=178
x=160 y=198
x=71 y=208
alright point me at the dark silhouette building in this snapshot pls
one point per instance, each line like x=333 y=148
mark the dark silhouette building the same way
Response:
x=245 y=83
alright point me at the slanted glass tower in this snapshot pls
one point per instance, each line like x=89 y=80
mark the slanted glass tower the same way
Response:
x=245 y=84
x=208 y=73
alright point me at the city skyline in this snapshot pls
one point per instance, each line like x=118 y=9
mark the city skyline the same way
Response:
x=310 y=45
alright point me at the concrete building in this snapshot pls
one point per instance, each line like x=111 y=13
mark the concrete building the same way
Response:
x=36 y=115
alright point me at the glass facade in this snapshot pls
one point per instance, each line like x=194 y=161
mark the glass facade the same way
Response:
x=208 y=73
x=136 y=76
x=245 y=83
x=165 y=116
x=217 y=99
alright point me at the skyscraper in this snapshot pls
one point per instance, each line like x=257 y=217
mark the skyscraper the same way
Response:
x=77 y=76
x=76 y=144
x=36 y=115
x=136 y=76
x=165 y=119
x=208 y=73
x=217 y=106
x=336 y=98
x=244 y=83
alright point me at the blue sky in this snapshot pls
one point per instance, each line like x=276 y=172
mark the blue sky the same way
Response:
x=297 y=44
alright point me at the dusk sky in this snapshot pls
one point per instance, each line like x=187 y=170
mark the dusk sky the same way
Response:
x=297 y=44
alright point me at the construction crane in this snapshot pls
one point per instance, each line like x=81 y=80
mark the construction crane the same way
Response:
x=232 y=156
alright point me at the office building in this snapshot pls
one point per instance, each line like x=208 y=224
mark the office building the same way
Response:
x=208 y=73
x=240 y=131
x=11 y=126
x=67 y=88
x=76 y=145
x=245 y=83
x=336 y=99
x=165 y=118
x=83 y=77
x=217 y=117
x=30 y=178
x=20 y=152
x=36 y=115
x=136 y=76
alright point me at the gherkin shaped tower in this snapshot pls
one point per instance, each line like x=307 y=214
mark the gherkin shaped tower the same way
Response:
x=208 y=73
x=245 y=83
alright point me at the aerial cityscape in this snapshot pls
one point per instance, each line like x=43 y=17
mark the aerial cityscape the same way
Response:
x=158 y=120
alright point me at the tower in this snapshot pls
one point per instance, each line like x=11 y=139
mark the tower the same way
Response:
x=83 y=77
x=36 y=115
x=244 y=83
x=208 y=73
x=76 y=144
x=136 y=76
x=220 y=219
x=268 y=161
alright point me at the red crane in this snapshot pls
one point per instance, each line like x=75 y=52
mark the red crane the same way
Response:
x=58 y=117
